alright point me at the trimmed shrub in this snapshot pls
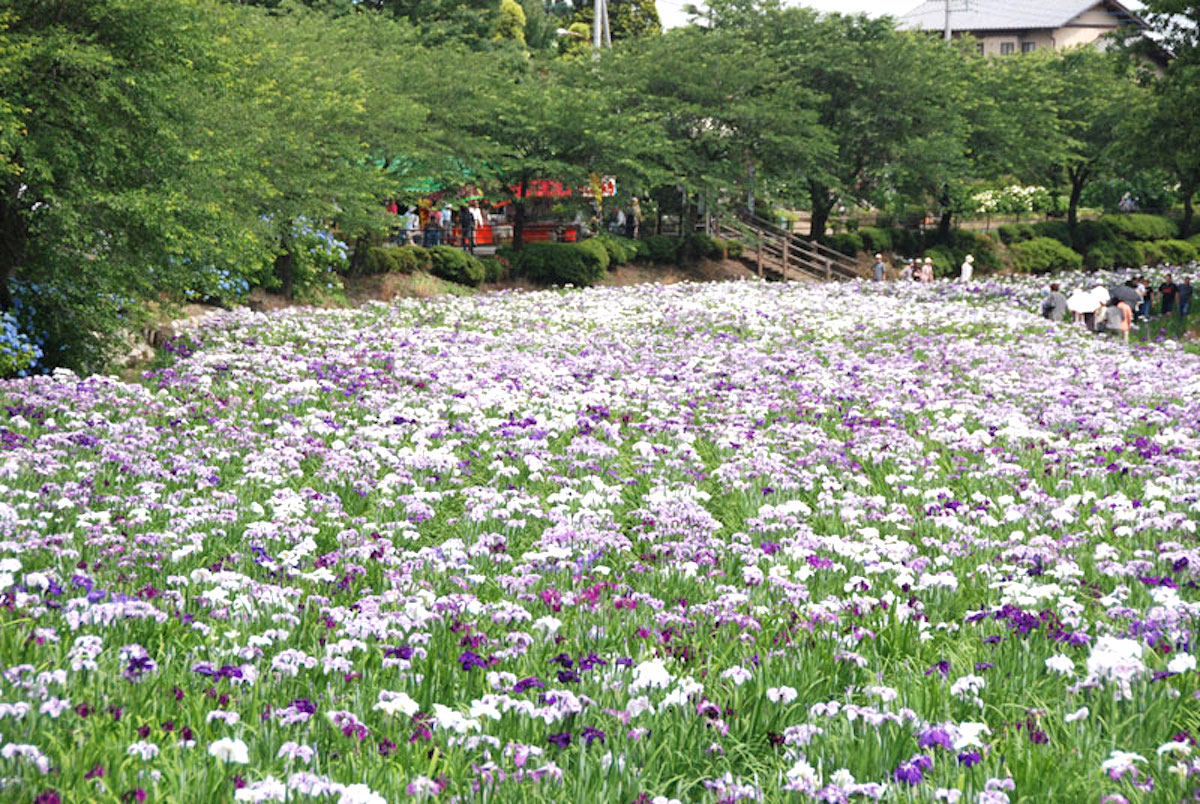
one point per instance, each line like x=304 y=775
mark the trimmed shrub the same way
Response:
x=709 y=247
x=561 y=263
x=493 y=269
x=848 y=243
x=1015 y=233
x=1089 y=233
x=1194 y=240
x=982 y=247
x=620 y=249
x=413 y=259
x=875 y=239
x=1116 y=254
x=1142 y=227
x=1176 y=252
x=908 y=242
x=379 y=261
x=1053 y=229
x=597 y=250
x=662 y=249
x=1043 y=254
x=1128 y=254
x=454 y=265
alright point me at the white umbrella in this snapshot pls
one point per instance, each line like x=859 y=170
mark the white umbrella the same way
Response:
x=1081 y=301
x=1101 y=296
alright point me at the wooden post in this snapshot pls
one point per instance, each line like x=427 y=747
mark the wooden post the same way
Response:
x=828 y=269
x=786 y=241
x=760 y=250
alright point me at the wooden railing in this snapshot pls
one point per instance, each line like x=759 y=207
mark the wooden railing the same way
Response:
x=784 y=254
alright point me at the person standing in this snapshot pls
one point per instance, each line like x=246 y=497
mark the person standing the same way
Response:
x=433 y=228
x=1167 y=291
x=1143 y=288
x=1126 y=320
x=1183 y=302
x=637 y=217
x=967 y=269
x=906 y=273
x=880 y=268
x=1054 y=306
x=466 y=222
x=927 y=270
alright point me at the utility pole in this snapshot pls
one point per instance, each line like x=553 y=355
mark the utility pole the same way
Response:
x=597 y=6
x=947 y=29
x=607 y=29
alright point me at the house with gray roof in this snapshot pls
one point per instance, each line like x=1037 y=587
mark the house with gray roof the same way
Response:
x=1004 y=27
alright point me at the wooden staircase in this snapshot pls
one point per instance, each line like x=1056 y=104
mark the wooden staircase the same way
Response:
x=780 y=254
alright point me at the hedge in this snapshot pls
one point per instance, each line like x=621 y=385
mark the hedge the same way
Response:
x=1015 y=233
x=1142 y=227
x=848 y=243
x=1089 y=233
x=1056 y=230
x=620 y=249
x=404 y=260
x=455 y=265
x=1043 y=254
x=660 y=248
x=561 y=263
x=875 y=239
x=1115 y=254
x=1177 y=252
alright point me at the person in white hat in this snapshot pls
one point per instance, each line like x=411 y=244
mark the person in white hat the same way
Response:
x=879 y=268
x=927 y=270
x=968 y=267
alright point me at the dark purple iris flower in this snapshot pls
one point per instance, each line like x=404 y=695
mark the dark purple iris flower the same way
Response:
x=942 y=667
x=591 y=734
x=470 y=659
x=908 y=773
x=532 y=682
x=931 y=737
x=562 y=740
x=969 y=758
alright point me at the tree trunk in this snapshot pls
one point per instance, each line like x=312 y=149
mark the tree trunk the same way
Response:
x=358 y=260
x=822 y=205
x=687 y=227
x=1189 y=211
x=285 y=269
x=519 y=214
x=1078 y=177
x=944 y=222
x=13 y=237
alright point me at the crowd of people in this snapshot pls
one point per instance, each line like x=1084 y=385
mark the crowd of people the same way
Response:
x=1116 y=307
x=430 y=226
x=916 y=270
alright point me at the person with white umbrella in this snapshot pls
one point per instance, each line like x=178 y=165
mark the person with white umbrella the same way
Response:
x=1081 y=303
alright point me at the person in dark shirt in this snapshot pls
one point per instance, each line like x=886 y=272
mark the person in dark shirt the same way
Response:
x=1167 y=290
x=1184 y=293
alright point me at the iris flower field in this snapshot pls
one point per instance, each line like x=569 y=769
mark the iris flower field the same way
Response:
x=688 y=543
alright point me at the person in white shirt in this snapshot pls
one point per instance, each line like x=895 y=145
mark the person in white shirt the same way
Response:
x=968 y=268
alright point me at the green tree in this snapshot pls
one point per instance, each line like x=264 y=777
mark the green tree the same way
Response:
x=627 y=19
x=1097 y=98
x=101 y=204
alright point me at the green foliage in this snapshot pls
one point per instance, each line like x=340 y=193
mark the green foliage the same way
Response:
x=597 y=252
x=1194 y=240
x=455 y=265
x=661 y=249
x=1057 y=230
x=875 y=239
x=1152 y=252
x=560 y=263
x=711 y=248
x=413 y=259
x=909 y=242
x=848 y=243
x=402 y=260
x=1091 y=232
x=1176 y=252
x=510 y=22
x=1115 y=254
x=1015 y=233
x=493 y=269
x=1141 y=226
x=980 y=246
x=1150 y=188
x=620 y=249
x=1044 y=254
